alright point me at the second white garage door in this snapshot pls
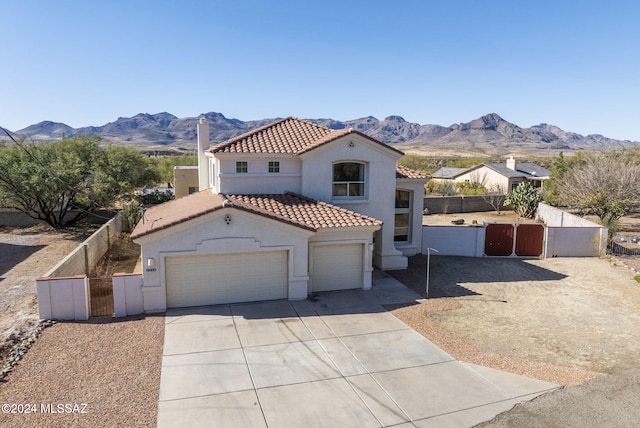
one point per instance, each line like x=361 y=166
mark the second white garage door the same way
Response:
x=225 y=278
x=337 y=267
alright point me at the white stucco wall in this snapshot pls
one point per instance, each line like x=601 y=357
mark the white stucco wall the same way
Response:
x=209 y=234
x=64 y=298
x=127 y=294
x=258 y=179
x=466 y=241
x=576 y=241
x=488 y=177
x=380 y=182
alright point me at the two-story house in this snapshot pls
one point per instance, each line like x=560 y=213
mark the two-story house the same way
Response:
x=282 y=211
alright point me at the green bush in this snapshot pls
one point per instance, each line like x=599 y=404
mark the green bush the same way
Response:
x=467 y=188
x=154 y=198
x=524 y=199
x=132 y=213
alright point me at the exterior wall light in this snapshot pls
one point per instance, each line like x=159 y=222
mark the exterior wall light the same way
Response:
x=151 y=262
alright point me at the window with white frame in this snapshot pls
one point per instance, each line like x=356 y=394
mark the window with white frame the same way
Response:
x=402 y=229
x=242 y=167
x=348 y=179
x=274 y=167
x=212 y=173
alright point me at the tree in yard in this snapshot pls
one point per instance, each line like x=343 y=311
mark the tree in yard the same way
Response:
x=478 y=180
x=166 y=164
x=64 y=181
x=524 y=199
x=606 y=185
x=558 y=171
x=495 y=195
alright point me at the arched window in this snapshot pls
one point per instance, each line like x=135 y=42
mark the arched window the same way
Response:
x=348 y=179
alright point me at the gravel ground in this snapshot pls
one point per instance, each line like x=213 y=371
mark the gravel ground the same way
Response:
x=419 y=317
x=111 y=365
x=26 y=254
x=560 y=320
x=574 y=322
x=608 y=401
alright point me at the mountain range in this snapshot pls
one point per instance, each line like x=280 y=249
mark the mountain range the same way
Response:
x=489 y=135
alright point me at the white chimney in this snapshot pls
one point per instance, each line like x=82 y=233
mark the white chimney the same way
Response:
x=203 y=161
x=512 y=164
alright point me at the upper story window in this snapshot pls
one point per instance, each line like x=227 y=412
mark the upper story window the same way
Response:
x=274 y=166
x=348 y=179
x=242 y=167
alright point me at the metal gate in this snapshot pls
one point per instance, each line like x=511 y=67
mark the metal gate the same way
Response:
x=101 y=297
x=529 y=240
x=498 y=239
x=505 y=239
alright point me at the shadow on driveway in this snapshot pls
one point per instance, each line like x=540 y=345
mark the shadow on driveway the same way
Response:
x=448 y=274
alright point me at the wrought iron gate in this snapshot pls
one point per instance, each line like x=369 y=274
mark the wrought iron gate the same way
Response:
x=101 y=292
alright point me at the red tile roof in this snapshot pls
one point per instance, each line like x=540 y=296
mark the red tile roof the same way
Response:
x=404 y=172
x=289 y=208
x=290 y=136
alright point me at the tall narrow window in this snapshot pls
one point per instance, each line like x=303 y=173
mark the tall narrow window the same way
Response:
x=274 y=166
x=242 y=167
x=212 y=173
x=348 y=179
x=401 y=231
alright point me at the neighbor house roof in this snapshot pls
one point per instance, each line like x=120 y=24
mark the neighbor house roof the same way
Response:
x=448 y=173
x=286 y=136
x=523 y=169
x=290 y=208
x=407 y=173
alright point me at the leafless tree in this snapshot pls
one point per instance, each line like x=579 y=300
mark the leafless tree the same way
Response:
x=494 y=195
x=606 y=185
x=478 y=180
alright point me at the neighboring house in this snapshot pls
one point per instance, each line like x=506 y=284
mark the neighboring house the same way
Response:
x=283 y=211
x=506 y=175
x=185 y=180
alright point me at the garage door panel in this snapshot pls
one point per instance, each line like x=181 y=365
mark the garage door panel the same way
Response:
x=226 y=278
x=337 y=267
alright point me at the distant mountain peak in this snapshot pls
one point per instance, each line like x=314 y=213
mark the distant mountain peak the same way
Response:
x=395 y=119
x=487 y=135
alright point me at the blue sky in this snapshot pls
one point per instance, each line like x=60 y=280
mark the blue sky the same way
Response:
x=574 y=64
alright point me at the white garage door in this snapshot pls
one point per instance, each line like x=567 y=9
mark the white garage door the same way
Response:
x=225 y=278
x=337 y=267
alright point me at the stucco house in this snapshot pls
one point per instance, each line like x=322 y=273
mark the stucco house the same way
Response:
x=282 y=211
x=507 y=175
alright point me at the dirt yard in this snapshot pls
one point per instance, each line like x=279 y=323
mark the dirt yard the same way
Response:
x=26 y=254
x=563 y=320
x=470 y=218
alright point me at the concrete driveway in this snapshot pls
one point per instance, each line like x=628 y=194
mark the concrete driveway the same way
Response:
x=337 y=360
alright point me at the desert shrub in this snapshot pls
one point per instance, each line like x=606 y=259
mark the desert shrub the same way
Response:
x=154 y=197
x=524 y=199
